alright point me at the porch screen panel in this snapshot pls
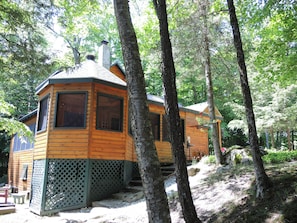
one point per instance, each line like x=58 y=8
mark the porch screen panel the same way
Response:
x=165 y=129
x=155 y=121
x=43 y=114
x=23 y=142
x=71 y=110
x=109 y=113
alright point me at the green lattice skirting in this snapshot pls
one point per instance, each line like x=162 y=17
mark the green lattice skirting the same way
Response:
x=64 y=184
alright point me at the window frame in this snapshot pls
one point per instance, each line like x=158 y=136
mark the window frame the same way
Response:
x=121 y=99
x=159 y=125
x=85 y=110
x=22 y=143
x=47 y=97
x=168 y=131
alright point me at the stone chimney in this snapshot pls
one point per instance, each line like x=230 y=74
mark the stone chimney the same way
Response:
x=104 y=55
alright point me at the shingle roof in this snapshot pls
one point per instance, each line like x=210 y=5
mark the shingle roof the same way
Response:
x=201 y=108
x=88 y=71
x=28 y=116
x=158 y=100
x=155 y=98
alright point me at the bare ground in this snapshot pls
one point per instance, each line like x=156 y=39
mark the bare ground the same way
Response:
x=220 y=195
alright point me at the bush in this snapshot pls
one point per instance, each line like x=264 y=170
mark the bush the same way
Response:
x=4 y=179
x=280 y=156
x=210 y=159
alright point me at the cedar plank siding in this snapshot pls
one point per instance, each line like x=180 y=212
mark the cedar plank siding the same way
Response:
x=76 y=145
x=199 y=142
x=106 y=144
x=163 y=148
x=130 y=149
x=217 y=113
x=117 y=71
x=16 y=161
x=41 y=138
x=198 y=136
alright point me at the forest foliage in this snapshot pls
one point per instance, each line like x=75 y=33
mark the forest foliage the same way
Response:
x=28 y=54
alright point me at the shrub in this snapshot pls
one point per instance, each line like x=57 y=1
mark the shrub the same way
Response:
x=280 y=156
x=209 y=159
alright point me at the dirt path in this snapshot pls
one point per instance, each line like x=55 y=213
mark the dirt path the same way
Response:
x=210 y=197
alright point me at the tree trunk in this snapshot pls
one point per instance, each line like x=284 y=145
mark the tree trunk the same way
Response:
x=262 y=180
x=293 y=146
x=74 y=45
x=208 y=78
x=272 y=138
x=267 y=139
x=278 y=140
x=173 y=118
x=149 y=166
x=76 y=56
x=289 y=139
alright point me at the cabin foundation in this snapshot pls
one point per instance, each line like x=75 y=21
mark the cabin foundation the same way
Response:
x=61 y=184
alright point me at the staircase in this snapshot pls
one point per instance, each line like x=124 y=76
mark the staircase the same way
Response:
x=166 y=169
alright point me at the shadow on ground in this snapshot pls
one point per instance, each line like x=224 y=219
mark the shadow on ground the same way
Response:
x=278 y=206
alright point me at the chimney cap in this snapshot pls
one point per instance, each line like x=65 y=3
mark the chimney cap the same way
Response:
x=90 y=57
x=104 y=42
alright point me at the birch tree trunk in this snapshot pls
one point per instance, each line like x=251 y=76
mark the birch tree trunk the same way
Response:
x=173 y=118
x=208 y=78
x=262 y=180
x=272 y=138
x=149 y=166
x=289 y=139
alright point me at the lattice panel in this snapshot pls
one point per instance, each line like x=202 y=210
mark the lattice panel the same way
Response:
x=128 y=168
x=106 y=178
x=66 y=184
x=135 y=170
x=37 y=184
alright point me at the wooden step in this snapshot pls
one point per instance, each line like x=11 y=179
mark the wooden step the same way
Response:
x=167 y=170
x=7 y=210
x=134 y=183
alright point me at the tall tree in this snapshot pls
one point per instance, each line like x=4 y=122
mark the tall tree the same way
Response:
x=262 y=180
x=79 y=30
x=272 y=24
x=208 y=78
x=8 y=124
x=173 y=117
x=149 y=165
x=24 y=59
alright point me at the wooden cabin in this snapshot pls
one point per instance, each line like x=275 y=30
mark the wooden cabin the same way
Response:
x=83 y=149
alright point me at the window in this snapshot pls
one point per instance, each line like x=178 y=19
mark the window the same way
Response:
x=24 y=173
x=155 y=121
x=109 y=113
x=43 y=114
x=22 y=142
x=165 y=129
x=71 y=110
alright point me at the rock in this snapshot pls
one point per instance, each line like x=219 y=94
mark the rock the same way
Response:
x=193 y=171
x=246 y=161
x=238 y=155
x=223 y=169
